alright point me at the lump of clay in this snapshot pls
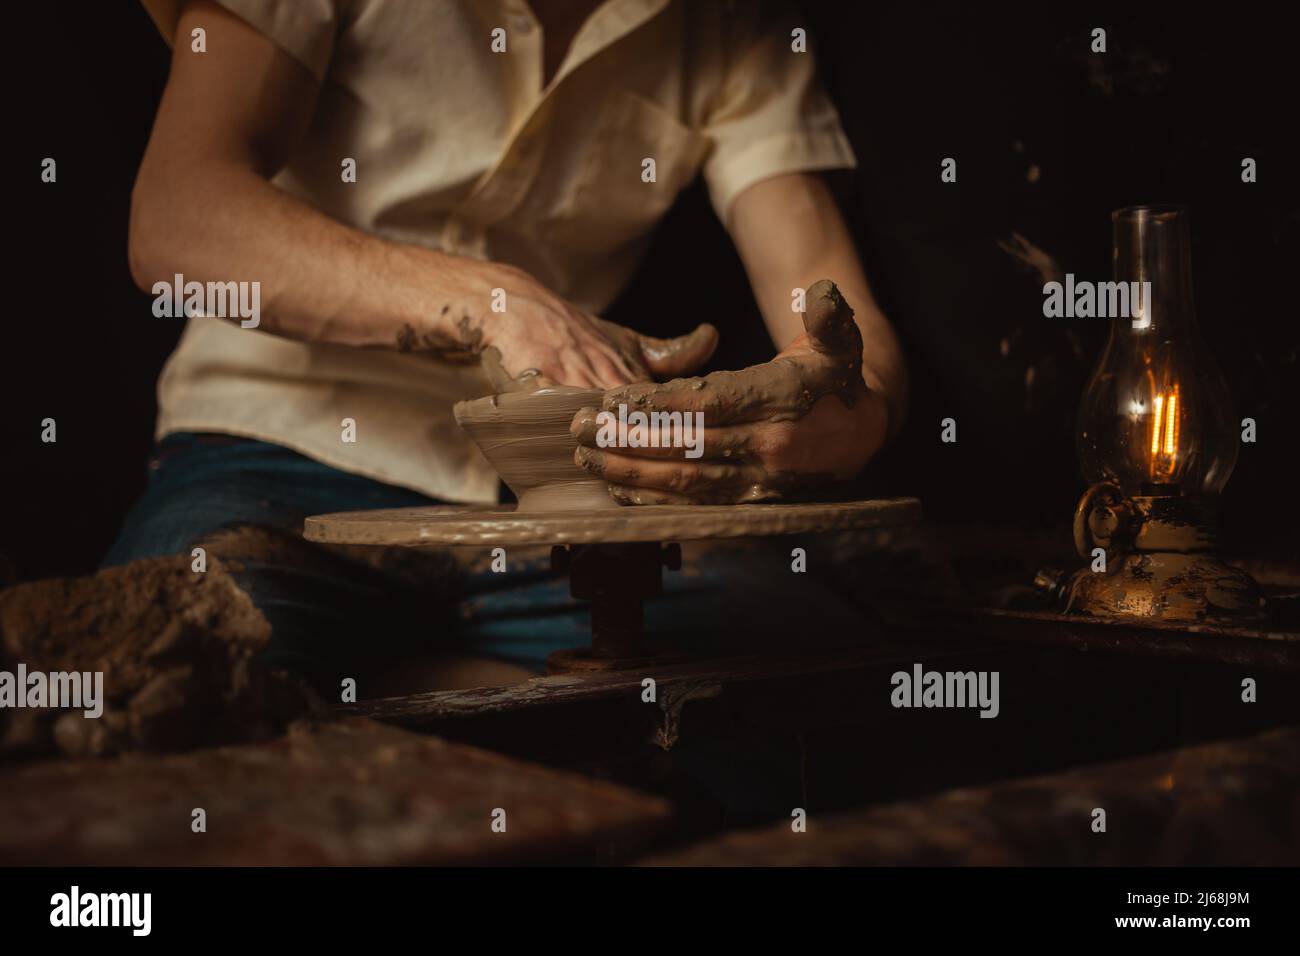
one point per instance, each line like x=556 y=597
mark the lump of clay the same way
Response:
x=176 y=649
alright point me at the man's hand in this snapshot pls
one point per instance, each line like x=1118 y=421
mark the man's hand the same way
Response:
x=803 y=420
x=542 y=337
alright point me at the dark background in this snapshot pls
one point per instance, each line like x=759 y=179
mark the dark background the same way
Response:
x=1167 y=114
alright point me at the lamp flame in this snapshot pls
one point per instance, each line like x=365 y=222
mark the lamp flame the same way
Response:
x=1164 y=434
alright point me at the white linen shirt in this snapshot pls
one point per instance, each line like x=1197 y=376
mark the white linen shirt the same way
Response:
x=463 y=149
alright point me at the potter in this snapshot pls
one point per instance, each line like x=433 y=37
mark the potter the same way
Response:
x=458 y=234
x=463 y=232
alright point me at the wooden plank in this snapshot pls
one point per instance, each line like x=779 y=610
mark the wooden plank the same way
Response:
x=1228 y=803
x=352 y=792
x=417 y=710
x=1274 y=649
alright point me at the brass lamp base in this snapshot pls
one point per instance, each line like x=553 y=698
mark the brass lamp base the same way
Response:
x=1159 y=562
x=1166 y=586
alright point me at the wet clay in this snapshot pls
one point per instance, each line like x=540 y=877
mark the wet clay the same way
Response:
x=525 y=436
x=458 y=341
x=527 y=431
x=784 y=389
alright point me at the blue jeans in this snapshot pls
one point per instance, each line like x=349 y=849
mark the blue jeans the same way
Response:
x=325 y=611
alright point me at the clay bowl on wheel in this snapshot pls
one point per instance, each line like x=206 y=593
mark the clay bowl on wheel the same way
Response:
x=525 y=435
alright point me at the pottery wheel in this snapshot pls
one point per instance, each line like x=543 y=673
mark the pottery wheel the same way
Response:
x=502 y=525
x=613 y=556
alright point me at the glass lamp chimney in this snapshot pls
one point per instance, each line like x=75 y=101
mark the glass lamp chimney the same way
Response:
x=1156 y=417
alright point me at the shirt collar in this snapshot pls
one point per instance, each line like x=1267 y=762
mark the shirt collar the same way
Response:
x=608 y=24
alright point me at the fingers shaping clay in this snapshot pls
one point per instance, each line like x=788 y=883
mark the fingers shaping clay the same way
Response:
x=525 y=436
x=784 y=389
x=524 y=430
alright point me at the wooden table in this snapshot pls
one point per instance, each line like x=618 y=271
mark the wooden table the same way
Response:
x=353 y=792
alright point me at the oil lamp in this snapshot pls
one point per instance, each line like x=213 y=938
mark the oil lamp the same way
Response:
x=1157 y=439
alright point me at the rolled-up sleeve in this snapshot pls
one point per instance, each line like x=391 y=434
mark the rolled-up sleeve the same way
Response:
x=305 y=29
x=771 y=116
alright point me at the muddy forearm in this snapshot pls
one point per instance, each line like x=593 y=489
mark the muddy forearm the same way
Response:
x=321 y=281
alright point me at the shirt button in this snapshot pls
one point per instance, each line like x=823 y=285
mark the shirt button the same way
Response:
x=522 y=25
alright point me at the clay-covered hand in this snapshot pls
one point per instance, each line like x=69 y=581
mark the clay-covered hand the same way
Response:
x=804 y=420
x=542 y=339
